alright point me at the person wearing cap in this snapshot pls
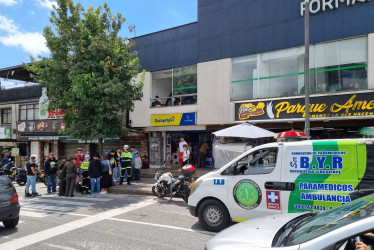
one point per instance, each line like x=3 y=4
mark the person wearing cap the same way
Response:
x=126 y=158
x=95 y=173
x=71 y=174
x=61 y=176
x=31 y=177
x=50 y=170
x=133 y=152
x=85 y=188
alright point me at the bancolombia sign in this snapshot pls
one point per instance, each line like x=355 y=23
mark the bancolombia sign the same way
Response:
x=336 y=106
x=317 y=6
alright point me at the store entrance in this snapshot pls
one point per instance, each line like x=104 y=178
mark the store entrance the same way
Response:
x=194 y=140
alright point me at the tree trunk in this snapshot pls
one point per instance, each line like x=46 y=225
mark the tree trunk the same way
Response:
x=101 y=148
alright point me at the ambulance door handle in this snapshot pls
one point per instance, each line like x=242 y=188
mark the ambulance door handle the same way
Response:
x=286 y=186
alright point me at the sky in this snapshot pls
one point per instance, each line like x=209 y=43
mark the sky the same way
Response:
x=22 y=22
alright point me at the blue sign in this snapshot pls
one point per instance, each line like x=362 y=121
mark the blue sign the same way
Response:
x=188 y=119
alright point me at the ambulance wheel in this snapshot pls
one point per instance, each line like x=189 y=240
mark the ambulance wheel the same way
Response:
x=213 y=215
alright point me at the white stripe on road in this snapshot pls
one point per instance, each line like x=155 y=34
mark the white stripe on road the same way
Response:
x=52 y=212
x=59 y=247
x=164 y=226
x=32 y=214
x=55 y=231
x=83 y=198
x=63 y=202
x=47 y=208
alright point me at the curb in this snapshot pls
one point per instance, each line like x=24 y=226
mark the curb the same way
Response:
x=146 y=191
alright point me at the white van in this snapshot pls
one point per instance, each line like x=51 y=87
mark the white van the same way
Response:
x=284 y=178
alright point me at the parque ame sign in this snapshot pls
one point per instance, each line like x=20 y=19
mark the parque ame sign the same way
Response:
x=316 y=6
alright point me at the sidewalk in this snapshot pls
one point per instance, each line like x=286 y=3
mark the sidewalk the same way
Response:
x=144 y=186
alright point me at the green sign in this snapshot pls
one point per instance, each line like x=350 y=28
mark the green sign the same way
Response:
x=247 y=194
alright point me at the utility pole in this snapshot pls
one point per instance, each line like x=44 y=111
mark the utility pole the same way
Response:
x=306 y=69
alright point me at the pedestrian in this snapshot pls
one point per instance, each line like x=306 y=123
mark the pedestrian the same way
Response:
x=180 y=150
x=126 y=158
x=31 y=177
x=145 y=162
x=112 y=165
x=61 y=177
x=106 y=180
x=186 y=155
x=117 y=172
x=137 y=166
x=95 y=173
x=79 y=158
x=133 y=151
x=71 y=174
x=85 y=188
x=50 y=170
x=202 y=154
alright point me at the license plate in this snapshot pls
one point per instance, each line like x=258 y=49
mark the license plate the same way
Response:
x=192 y=183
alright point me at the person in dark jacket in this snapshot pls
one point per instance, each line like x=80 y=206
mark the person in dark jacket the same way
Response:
x=50 y=170
x=61 y=176
x=95 y=173
x=71 y=174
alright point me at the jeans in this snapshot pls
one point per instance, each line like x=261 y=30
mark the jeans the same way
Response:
x=116 y=173
x=136 y=174
x=93 y=180
x=31 y=180
x=51 y=183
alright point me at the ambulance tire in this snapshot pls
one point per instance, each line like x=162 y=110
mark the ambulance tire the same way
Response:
x=213 y=215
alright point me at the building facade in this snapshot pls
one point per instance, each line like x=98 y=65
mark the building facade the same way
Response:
x=243 y=60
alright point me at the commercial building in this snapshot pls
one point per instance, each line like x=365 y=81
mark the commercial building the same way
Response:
x=243 y=60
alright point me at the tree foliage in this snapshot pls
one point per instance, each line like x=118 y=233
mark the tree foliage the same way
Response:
x=91 y=73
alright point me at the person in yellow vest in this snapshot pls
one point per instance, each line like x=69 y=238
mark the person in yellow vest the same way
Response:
x=126 y=158
x=86 y=183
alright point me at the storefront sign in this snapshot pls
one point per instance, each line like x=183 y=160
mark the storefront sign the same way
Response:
x=317 y=6
x=40 y=126
x=5 y=133
x=42 y=138
x=336 y=106
x=181 y=119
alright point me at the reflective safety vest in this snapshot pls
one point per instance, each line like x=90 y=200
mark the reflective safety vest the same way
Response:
x=126 y=156
x=85 y=165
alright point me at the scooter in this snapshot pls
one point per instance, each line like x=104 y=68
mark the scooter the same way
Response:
x=179 y=187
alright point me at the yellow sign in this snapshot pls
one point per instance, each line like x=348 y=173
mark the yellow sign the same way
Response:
x=166 y=120
x=247 y=110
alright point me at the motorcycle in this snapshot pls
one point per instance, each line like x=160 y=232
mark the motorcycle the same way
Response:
x=179 y=187
x=9 y=170
x=21 y=176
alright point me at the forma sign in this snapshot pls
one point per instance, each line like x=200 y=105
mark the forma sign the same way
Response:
x=317 y=6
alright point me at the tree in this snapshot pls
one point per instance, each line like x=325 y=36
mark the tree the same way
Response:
x=92 y=74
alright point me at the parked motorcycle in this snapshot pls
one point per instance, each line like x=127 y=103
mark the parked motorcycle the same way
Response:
x=179 y=187
x=21 y=176
x=9 y=170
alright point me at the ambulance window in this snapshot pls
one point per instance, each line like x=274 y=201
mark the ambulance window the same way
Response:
x=262 y=161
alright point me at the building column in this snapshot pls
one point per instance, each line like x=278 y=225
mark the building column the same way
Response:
x=371 y=61
x=41 y=153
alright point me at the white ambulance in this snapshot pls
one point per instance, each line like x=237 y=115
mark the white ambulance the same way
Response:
x=284 y=178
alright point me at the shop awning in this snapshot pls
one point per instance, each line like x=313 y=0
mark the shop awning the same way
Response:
x=246 y=130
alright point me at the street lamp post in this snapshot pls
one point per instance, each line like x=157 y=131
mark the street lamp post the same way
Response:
x=306 y=69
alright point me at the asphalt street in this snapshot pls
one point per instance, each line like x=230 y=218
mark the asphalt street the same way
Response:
x=107 y=221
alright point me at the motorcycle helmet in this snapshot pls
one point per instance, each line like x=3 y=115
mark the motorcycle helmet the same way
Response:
x=87 y=157
x=126 y=147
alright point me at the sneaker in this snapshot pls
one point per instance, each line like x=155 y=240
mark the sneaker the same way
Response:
x=36 y=194
x=104 y=192
x=98 y=193
x=28 y=195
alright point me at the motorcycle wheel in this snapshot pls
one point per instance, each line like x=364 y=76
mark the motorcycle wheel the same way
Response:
x=21 y=183
x=158 y=191
x=184 y=192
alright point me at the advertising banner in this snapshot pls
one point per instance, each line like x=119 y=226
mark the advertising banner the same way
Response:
x=5 y=133
x=334 y=106
x=181 y=119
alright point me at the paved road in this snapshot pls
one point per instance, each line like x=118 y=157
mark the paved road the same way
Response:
x=103 y=222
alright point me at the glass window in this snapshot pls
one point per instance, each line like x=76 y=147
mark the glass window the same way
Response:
x=29 y=112
x=176 y=86
x=259 y=162
x=6 y=116
x=334 y=66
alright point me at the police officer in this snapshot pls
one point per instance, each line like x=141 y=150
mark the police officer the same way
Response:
x=85 y=188
x=126 y=158
x=61 y=176
x=71 y=174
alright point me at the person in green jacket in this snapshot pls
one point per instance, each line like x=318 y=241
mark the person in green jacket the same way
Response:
x=126 y=158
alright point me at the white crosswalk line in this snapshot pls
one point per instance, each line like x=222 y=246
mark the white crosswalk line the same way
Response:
x=62 y=202
x=32 y=214
x=47 y=208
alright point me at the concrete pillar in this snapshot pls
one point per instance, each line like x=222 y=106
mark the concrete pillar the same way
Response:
x=41 y=153
x=371 y=61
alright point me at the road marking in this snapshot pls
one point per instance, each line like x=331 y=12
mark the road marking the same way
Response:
x=83 y=198
x=59 y=247
x=47 y=208
x=55 y=231
x=164 y=226
x=63 y=202
x=55 y=212
x=32 y=214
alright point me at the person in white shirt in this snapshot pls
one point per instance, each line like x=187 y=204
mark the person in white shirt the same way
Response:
x=181 y=150
x=186 y=155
